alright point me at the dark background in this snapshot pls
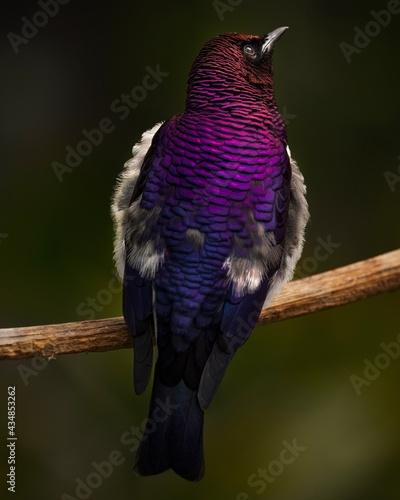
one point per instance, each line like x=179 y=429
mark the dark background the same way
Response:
x=292 y=379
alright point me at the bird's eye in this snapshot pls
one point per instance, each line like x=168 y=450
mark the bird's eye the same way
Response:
x=249 y=50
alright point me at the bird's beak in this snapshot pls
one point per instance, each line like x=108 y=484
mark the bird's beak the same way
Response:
x=271 y=39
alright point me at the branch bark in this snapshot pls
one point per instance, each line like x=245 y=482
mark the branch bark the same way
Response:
x=316 y=293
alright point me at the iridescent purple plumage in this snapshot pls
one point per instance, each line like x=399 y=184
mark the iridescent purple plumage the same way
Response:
x=211 y=227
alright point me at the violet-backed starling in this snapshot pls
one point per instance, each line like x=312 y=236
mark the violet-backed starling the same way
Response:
x=210 y=215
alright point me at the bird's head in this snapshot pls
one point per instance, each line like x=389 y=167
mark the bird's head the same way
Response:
x=232 y=65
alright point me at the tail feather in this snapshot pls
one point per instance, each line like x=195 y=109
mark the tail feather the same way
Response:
x=173 y=438
x=213 y=374
x=143 y=360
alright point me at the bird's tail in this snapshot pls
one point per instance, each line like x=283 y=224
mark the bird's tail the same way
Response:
x=173 y=438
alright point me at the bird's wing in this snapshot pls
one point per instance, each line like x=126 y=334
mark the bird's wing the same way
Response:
x=297 y=219
x=240 y=316
x=138 y=314
x=133 y=256
x=241 y=313
x=123 y=193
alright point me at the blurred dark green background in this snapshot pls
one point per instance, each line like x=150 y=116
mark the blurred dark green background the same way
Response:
x=292 y=379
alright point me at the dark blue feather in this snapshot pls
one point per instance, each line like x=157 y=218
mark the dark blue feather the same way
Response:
x=138 y=314
x=173 y=438
x=239 y=318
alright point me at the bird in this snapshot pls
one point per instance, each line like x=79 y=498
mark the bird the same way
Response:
x=210 y=215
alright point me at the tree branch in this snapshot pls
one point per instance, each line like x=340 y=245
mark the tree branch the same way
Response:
x=316 y=293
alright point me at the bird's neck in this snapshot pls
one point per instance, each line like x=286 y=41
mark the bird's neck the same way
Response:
x=254 y=108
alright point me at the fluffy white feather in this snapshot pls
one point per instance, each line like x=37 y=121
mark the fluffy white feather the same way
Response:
x=295 y=228
x=121 y=213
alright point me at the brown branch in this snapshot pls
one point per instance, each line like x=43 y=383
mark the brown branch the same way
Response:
x=316 y=293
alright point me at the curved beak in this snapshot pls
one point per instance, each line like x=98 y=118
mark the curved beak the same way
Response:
x=271 y=39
